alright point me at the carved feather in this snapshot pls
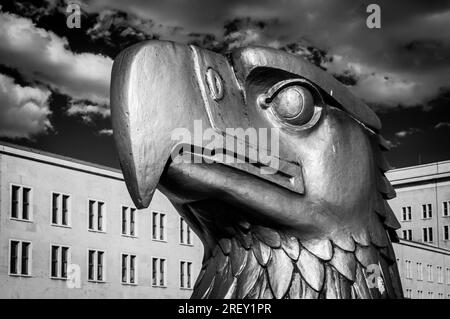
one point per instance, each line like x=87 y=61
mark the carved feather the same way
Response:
x=321 y=248
x=311 y=269
x=279 y=270
x=268 y=236
x=344 y=241
x=367 y=255
x=247 y=279
x=344 y=263
x=262 y=251
x=360 y=284
x=225 y=245
x=238 y=257
x=361 y=237
x=295 y=291
x=290 y=245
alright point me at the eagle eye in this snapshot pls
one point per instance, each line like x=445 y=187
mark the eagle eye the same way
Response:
x=293 y=103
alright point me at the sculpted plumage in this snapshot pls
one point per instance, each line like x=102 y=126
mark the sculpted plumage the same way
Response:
x=302 y=215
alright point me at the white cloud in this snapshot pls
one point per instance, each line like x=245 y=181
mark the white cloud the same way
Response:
x=105 y=131
x=24 y=110
x=386 y=88
x=442 y=125
x=409 y=131
x=42 y=56
x=86 y=111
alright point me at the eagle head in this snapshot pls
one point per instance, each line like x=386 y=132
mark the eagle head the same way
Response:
x=273 y=163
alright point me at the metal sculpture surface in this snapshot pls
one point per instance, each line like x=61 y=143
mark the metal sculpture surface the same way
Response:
x=315 y=226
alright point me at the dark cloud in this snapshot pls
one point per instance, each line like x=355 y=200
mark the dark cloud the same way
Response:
x=402 y=70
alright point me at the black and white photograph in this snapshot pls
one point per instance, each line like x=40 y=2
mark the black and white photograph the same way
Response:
x=228 y=150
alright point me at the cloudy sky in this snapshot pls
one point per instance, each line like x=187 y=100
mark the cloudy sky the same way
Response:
x=54 y=81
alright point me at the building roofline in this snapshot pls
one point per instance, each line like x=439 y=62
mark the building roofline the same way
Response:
x=437 y=171
x=423 y=246
x=419 y=166
x=59 y=160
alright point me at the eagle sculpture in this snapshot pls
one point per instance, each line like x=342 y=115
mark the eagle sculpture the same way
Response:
x=315 y=225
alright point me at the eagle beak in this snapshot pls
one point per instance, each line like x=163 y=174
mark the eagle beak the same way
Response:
x=151 y=95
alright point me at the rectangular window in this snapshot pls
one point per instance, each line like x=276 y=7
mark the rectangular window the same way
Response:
x=132 y=268
x=60 y=209
x=96 y=220
x=406 y=213
x=430 y=272
x=408 y=270
x=446 y=232
x=158 y=272
x=129 y=270
x=26 y=203
x=448 y=275
x=132 y=224
x=185 y=232
x=161 y=226
x=408 y=293
x=440 y=274
x=154 y=226
x=426 y=211
x=419 y=271
x=427 y=233
x=59 y=259
x=182 y=266
x=100 y=216
x=185 y=274
x=158 y=226
x=20 y=258
x=128 y=221
x=446 y=209
x=96 y=269
x=20 y=202
x=407 y=234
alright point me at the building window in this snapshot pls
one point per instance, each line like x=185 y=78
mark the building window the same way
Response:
x=408 y=293
x=129 y=271
x=440 y=274
x=448 y=275
x=430 y=295
x=407 y=234
x=19 y=258
x=419 y=294
x=60 y=209
x=406 y=213
x=440 y=295
x=96 y=268
x=408 y=271
x=158 y=226
x=60 y=258
x=128 y=221
x=96 y=220
x=427 y=234
x=419 y=271
x=185 y=274
x=185 y=233
x=21 y=206
x=446 y=209
x=430 y=272
x=446 y=232
x=159 y=272
x=426 y=211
